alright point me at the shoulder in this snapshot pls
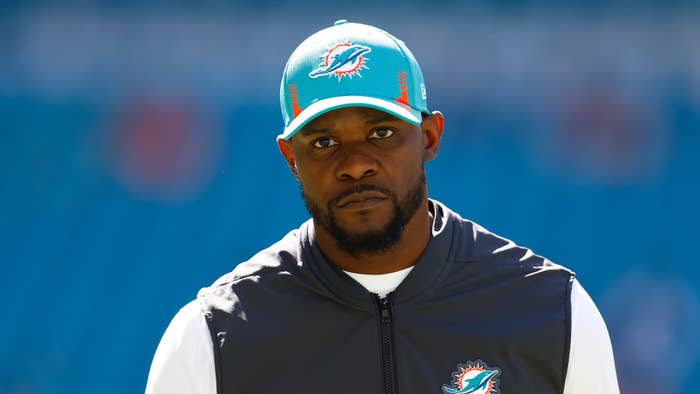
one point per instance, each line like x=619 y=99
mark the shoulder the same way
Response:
x=186 y=333
x=281 y=265
x=473 y=243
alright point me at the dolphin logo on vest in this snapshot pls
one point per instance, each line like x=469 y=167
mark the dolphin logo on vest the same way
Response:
x=474 y=377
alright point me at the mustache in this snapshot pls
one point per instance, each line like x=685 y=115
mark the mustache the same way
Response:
x=362 y=187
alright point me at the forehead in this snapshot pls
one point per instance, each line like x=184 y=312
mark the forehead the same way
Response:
x=361 y=115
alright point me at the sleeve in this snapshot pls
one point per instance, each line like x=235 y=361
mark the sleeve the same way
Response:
x=591 y=362
x=184 y=360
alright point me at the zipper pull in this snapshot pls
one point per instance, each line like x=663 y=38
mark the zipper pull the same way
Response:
x=384 y=309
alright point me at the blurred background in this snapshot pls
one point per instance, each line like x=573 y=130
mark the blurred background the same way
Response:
x=138 y=163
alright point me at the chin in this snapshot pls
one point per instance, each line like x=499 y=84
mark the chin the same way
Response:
x=366 y=230
x=364 y=222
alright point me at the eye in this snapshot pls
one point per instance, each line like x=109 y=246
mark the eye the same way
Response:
x=382 y=133
x=324 y=142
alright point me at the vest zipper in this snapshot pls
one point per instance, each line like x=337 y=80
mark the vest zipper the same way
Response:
x=385 y=330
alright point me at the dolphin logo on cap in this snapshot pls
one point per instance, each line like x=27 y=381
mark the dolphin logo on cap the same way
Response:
x=343 y=59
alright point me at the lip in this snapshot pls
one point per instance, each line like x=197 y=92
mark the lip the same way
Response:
x=364 y=199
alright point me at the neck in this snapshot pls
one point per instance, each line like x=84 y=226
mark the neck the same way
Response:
x=404 y=254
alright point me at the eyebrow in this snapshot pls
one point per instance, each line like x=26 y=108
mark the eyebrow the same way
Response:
x=309 y=131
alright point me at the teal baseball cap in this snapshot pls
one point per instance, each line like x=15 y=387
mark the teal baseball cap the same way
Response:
x=348 y=65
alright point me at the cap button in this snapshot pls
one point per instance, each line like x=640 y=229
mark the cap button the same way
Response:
x=340 y=22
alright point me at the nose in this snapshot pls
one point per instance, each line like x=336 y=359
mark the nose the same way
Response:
x=356 y=164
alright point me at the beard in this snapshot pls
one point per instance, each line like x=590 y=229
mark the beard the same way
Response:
x=357 y=243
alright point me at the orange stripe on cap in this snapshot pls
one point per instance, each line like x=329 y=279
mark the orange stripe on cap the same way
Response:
x=294 y=98
x=403 y=88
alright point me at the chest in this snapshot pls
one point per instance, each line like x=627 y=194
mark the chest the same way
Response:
x=441 y=344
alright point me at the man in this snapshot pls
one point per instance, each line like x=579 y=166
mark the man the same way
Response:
x=383 y=290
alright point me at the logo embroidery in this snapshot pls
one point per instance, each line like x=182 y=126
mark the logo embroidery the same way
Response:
x=341 y=60
x=473 y=377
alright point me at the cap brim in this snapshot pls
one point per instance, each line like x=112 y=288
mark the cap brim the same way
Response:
x=318 y=108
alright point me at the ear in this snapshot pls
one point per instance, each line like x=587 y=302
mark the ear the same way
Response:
x=432 y=127
x=287 y=151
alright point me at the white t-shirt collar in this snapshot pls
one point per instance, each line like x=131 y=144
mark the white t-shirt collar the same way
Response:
x=381 y=284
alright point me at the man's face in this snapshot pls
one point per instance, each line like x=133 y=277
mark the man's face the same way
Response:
x=361 y=174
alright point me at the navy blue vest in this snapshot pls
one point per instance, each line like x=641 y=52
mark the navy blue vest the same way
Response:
x=477 y=314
